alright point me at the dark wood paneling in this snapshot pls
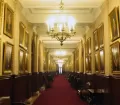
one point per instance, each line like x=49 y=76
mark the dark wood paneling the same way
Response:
x=21 y=88
x=5 y=86
x=35 y=82
x=40 y=79
x=115 y=90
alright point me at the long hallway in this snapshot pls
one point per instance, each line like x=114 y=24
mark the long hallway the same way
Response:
x=60 y=93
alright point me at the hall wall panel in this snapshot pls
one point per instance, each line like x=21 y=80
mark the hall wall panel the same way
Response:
x=18 y=17
x=115 y=90
x=5 y=86
x=21 y=88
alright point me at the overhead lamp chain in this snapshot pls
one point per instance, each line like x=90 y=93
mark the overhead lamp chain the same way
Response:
x=61 y=5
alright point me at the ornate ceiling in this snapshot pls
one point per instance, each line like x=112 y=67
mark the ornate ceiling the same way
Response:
x=84 y=11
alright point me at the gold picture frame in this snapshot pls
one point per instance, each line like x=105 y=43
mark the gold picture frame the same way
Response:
x=0 y=53
x=8 y=21
x=21 y=33
x=89 y=45
x=8 y=58
x=89 y=64
x=114 y=23
x=97 y=63
x=101 y=35
x=86 y=64
x=96 y=42
x=102 y=61
x=26 y=62
x=39 y=55
x=1 y=7
x=26 y=40
x=115 y=53
x=1 y=13
x=82 y=55
x=21 y=61
x=86 y=48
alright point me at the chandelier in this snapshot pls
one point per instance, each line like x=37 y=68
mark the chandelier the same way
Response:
x=61 y=27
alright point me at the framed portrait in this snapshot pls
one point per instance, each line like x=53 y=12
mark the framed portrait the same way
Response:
x=114 y=23
x=26 y=41
x=1 y=7
x=39 y=53
x=8 y=21
x=96 y=42
x=0 y=52
x=89 y=45
x=1 y=13
x=86 y=64
x=82 y=54
x=86 y=48
x=89 y=64
x=102 y=61
x=8 y=58
x=101 y=35
x=21 y=33
x=22 y=61
x=26 y=62
x=115 y=52
x=97 y=66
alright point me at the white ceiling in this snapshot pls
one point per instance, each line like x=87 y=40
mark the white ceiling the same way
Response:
x=39 y=11
x=68 y=3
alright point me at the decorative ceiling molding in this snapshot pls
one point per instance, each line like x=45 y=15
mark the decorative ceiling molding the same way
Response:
x=57 y=45
x=38 y=12
x=43 y=17
x=55 y=3
x=57 y=11
x=84 y=11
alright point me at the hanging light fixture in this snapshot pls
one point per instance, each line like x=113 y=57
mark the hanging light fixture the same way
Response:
x=62 y=27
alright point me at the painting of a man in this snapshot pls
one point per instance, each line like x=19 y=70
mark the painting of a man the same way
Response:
x=8 y=58
x=1 y=13
x=97 y=61
x=102 y=65
x=8 y=21
x=101 y=35
x=26 y=39
x=26 y=63
x=21 y=33
x=21 y=61
x=8 y=51
x=96 y=39
x=115 y=57
x=114 y=22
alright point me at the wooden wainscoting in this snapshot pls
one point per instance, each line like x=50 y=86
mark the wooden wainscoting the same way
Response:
x=115 y=90
x=20 y=87
x=5 y=86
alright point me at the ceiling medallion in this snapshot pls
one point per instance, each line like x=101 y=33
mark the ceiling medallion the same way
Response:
x=61 y=27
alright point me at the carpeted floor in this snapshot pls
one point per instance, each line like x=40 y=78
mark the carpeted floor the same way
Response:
x=60 y=93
